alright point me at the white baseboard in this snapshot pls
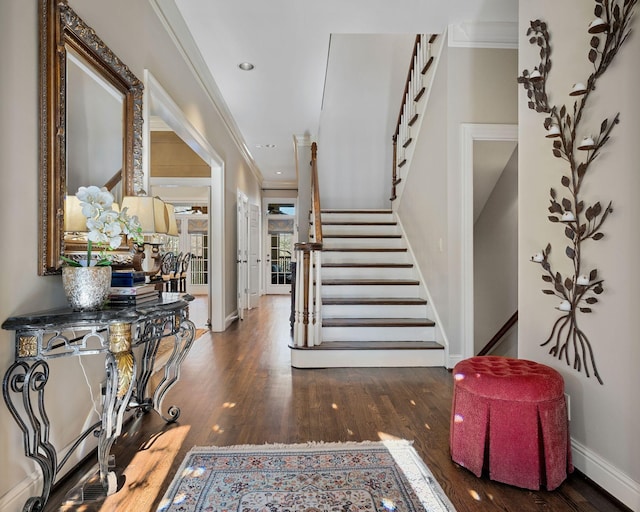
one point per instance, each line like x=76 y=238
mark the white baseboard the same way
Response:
x=31 y=485
x=607 y=476
x=15 y=498
x=453 y=359
x=230 y=319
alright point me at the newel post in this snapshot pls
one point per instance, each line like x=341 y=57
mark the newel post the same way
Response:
x=306 y=328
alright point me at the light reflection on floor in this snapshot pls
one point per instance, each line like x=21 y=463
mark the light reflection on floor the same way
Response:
x=146 y=472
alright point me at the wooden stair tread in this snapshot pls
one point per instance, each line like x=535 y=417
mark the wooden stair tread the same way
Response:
x=367 y=265
x=373 y=301
x=369 y=282
x=427 y=65
x=375 y=345
x=355 y=211
x=377 y=322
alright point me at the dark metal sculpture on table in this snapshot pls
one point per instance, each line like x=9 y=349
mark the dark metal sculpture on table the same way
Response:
x=577 y=291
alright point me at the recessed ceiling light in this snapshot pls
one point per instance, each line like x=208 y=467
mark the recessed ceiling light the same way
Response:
x=278 y=172
x=246 y=66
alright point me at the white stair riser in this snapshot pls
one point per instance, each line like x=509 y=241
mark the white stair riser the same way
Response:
x=351 y=229
x=374 y=311
x=368 y=273
x=378 y=334
x=370 y=290
x=358 y=217
x=366 y=358
x=365 y=257
x=364 y=243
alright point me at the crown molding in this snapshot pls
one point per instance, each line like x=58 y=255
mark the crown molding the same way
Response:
x=172 y=20
x=487 y=34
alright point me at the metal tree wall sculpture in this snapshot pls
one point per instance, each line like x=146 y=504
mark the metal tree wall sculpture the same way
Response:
x=581 y=222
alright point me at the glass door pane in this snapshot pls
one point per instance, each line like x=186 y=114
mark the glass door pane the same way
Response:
x=280 y=239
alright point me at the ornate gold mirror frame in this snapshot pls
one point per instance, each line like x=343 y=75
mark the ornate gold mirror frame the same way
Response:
x=62 y=31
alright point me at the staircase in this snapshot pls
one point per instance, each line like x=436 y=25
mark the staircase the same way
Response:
x=373 y=310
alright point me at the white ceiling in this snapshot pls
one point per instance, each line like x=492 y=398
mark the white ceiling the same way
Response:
x=288 y=42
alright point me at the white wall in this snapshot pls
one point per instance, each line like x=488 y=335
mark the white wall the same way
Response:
x=604 y=418
x=137 y=37
x=470 y=86
x=356 y=126
x=495 y=255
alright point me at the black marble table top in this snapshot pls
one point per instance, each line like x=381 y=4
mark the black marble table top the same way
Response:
x=107 y=314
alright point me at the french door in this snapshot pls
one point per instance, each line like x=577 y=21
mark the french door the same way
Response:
x=280 y=237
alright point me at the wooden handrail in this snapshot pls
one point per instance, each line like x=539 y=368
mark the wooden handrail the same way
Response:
x=414 y=89
x=493 y=342
x=315 y=187
x=406 y=84
x=114 y=180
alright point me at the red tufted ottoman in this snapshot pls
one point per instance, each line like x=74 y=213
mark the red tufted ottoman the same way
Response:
x=509 y=416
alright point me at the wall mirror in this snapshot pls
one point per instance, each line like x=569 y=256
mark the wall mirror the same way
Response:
x=90 y=122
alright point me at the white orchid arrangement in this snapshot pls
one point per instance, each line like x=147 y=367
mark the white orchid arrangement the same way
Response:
x=106 y=226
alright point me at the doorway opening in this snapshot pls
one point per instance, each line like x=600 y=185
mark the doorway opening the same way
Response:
x=162 y=107
x=469 y=135
x=280 y=237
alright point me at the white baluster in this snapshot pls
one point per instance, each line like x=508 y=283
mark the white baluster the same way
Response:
x=311 y=330
x=298 y=331
x=418 y=66
x=318 y=298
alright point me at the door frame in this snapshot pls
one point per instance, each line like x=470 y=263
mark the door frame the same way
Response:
x=255 y=250
x=170 y=112
x=242 y=253
x=469 y=133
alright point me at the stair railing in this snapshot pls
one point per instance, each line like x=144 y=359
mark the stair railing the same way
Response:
x=414 y=89
x=308 y=299
x=499 y=336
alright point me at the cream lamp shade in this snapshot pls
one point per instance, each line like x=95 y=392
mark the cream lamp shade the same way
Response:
x=150 y=211
x=74 y=220
x=173 y=224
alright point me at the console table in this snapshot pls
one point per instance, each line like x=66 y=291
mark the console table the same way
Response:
x=113 y=333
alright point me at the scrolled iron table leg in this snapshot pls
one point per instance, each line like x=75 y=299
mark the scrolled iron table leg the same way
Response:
x=120 y=371
x=183 y=339
x=22 y=380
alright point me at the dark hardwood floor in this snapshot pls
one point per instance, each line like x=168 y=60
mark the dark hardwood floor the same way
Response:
x=237 y=387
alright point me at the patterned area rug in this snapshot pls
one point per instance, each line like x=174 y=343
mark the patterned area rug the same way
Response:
x=370 y=476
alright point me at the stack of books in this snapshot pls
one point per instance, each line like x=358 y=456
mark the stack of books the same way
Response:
x=132 y=295
x=127 y=278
